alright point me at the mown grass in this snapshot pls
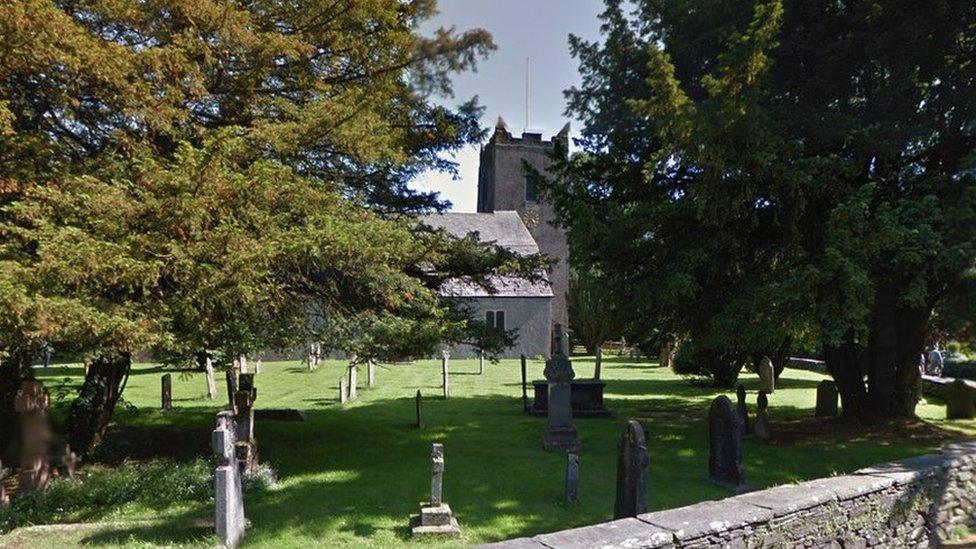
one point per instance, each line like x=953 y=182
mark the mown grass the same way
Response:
x=352 y=474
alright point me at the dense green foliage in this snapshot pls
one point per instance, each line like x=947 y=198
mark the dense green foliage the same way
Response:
x=756 y=173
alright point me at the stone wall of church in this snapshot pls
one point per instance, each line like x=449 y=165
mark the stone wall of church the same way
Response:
x=530 y=316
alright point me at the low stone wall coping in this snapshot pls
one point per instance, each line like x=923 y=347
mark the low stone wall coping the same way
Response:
x=628 y=532
x=709 y=517
x=908 y=470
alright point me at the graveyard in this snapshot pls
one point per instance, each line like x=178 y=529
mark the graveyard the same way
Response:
x=352 y=474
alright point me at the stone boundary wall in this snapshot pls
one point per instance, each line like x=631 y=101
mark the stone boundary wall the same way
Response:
x=936 y=386
x=811 y=364
x=917 y=502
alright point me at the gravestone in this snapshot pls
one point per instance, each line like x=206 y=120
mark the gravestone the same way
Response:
x=211 y=378
x=560 y=434
x=525 y=394
x=725 y=445
x=767 y=376
x=598 y=363
x=371 y=373
x=257 y=366
x=435 y=516
x=247 y=446
x=632 y=463
x=343 y=394
x=65 y=461
x=242 y=362
x=572 y=478
x=4 y=498
x=420 y=409
x=31 y=403
x=960 y=401
x=229 y=522
x=231 y=377
x=741 y=408
x=762 y=418
x=481 y=362
x=167 y=392
x=826 y=399
x=446 y=383
x=353 y=378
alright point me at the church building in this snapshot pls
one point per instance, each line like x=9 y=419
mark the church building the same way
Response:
x=512 y=214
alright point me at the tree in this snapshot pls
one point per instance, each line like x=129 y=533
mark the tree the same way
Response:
x=757 y=171
x=207 y=174
x=590 y=315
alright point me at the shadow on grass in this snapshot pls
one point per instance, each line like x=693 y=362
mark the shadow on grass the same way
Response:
x=183 y=530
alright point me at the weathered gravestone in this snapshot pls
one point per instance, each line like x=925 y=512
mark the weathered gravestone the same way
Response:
x=343 y=394
x=725 y=445
x=560 y=434
x=446 y=382
x=4 y=498
x=572 y=478
x=242 y=363
x=435 y=516
x=229 y=521
x=31 y=403
x=420 y=409
x=247 y=445
x=371 y=373
x=826 y=399
x=741 y=408
x=231 y=377
x=767 y=376
x=632 y=463
x=257 y=366
x=761 y=428
x=525 y=393
x=481 y=362
x=354 y=378
x=598 y=363
x=167 y=392
x=211 y=378
x=960 y=401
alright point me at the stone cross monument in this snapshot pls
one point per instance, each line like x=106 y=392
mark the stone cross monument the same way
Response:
x=435 y=516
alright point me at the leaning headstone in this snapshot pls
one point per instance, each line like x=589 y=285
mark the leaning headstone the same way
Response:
x=4 y=498
x=420 y=409
x=31 y=403
x=231 y=377
x=725 y=445
x=826 y=399
x=446 y=383
x=211 y=378
x=632 y=462
x=353 y=378
x=525 y=393
x=598 y=363
x=371 y=373
x=229 y=520
x=761 y=428
x=960 y=401
x=343 y=394
x=572 y=478
x=167 y=392
x=740 y=407
x=767 y=376
x=435 y=516
x=560 y=434
x=481 y=362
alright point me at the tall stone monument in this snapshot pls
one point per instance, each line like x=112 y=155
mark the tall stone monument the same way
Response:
x=725 y=445
x=435 y=515
x=632 y=463
x=446 y=381
x=32 y=402
x=560 y=434
x=354 y=377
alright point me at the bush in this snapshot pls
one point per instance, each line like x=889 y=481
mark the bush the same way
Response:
x=965 y=370
x=156 y=485
x=720 y=368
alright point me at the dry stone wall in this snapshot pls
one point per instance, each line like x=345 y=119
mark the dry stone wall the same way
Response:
x=917 y=502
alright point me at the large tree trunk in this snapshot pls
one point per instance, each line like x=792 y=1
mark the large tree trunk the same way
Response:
x=91 y=412
x=844 y=362
x=897 y=338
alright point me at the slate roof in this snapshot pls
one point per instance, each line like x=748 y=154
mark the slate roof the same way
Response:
x=504 y=228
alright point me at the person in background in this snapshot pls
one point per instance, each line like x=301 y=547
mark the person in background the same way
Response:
x=935 y=361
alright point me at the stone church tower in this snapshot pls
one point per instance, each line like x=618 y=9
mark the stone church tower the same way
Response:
x=503 y=185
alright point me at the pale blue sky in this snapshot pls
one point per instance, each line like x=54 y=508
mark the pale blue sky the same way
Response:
x=537 y=29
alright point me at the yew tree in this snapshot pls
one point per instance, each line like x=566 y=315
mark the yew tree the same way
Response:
x=758 y=171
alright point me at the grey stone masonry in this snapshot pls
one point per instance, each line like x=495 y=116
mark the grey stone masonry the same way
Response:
x=918 y=502
x=229 y=521
x=435 y=516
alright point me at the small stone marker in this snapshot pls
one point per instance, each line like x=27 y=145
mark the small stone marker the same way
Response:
x=371 y=373
x=960 y=401
x=229 y=522
x=572 y=478
x=525 y=393
x=560 y=434
x=231 y=377
x=167 y=392
x=420 y=409
x=31 y=403
x=725 y=445
x=435 y=516
x=761 y=428
x=446 y=383
x=741 y=408
x=211 y=378
x=598 y=363
x=767 y=376
x=826 y=399
x=481 y=362
x=343 y=394
x=632 y=462
x=353 y=378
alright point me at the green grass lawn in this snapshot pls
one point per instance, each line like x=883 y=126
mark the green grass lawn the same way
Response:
x=352 y=474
